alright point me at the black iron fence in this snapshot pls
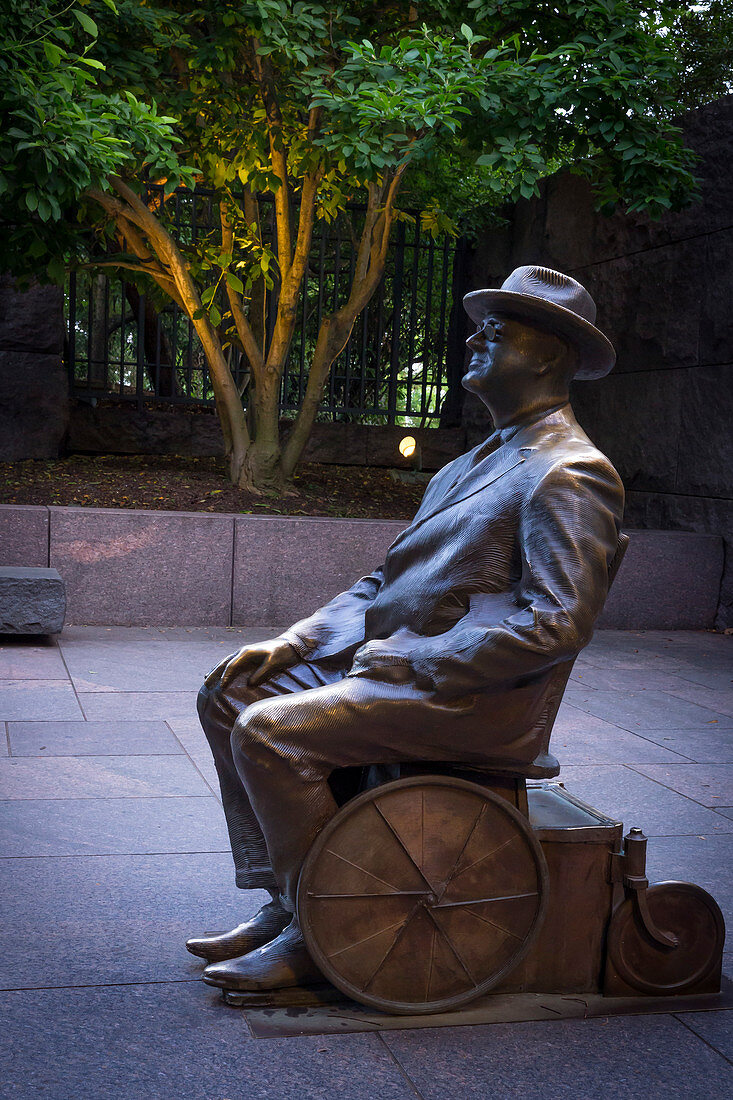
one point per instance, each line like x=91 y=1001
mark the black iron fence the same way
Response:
x=400 y=366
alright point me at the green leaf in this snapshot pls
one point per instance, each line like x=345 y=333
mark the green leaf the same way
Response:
x=53 y=53
x=235 y=283
x=87 y=22
x=215 y=316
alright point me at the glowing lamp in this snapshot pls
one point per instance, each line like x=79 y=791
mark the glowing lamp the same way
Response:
x=407 y=446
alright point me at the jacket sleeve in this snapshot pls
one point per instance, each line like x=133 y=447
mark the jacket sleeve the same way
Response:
x=567 y=536
x=338 y=626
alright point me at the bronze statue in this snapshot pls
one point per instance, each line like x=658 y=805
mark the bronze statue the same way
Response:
x=444 y=653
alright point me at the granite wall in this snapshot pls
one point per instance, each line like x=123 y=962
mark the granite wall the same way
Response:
x=143 y=568
x=34 y=392
x=664 y=292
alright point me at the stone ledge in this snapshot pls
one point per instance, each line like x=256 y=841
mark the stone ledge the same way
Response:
x=145 y=568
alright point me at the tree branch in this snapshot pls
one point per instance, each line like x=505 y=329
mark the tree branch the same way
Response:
x=278 y=157
x=244 y=330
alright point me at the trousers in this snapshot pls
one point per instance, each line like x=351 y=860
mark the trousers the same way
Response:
x=275 y=747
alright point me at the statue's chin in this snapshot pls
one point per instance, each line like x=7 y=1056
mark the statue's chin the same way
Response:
x=474 y=383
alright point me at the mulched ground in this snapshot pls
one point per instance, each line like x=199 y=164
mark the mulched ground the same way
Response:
x=172 y=483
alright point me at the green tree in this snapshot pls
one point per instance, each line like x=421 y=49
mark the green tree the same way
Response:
x=110 y=105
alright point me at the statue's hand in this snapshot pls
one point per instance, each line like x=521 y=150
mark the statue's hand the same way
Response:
x=261 y=660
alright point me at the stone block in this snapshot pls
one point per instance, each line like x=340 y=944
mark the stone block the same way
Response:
x=32 y=320
x=34 y=404
x=668 y=580
x=636 y=419
x=110 y=430
x=704 y=465
x=338 y=444
x=690 y=513
x=32 y=601
x=23 y=535
x=129 y=568
x=713 y=290
x=438 y=446
x=650 y=313
x=285 y=568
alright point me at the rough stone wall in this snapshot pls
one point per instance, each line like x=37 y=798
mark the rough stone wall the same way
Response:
x=664 y=292
x=34 y=392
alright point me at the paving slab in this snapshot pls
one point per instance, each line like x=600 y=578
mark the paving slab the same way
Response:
x=105 y=920
x=705 y=860
x=581 y=738
x=135 y=659
x=716 y=1028
x=627 y=679
x=606 y=1059
x=627 y=796
x=99 y=777
x=703 y=783
x=136 y=738
x=706 y=676
x=128 y=706
x=710 y=745
x=26 y=659
x=111 y=826
x=719 y=699
x=177 y=1042
x=38 y=701
x=645 y=710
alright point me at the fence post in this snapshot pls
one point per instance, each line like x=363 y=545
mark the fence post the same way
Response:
x=140 y=372
x=394 y=359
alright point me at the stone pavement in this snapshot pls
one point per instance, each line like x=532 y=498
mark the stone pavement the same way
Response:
x=114 y=850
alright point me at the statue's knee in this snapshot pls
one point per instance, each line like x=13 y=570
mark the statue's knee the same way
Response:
x=251 y=732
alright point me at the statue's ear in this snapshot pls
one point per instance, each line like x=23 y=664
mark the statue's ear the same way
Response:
x=559 y=357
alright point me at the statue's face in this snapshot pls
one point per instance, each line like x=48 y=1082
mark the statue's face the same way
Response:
x=506 y=355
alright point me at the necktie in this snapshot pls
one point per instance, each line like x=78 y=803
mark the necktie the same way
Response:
x=488 y=447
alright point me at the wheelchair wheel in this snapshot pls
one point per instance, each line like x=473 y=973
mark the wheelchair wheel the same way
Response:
x=690 y=914
x=422 y=894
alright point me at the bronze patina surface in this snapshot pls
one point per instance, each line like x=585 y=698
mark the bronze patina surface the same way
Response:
x=456 y=650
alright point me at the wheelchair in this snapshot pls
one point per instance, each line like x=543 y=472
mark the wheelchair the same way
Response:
x=425 y=892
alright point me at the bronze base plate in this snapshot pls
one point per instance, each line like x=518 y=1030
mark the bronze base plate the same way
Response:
x=322 y=1010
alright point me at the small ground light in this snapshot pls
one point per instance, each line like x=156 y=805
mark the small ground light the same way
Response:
x=409 y=448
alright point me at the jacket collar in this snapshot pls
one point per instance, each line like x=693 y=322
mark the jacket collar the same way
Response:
x=517 y=442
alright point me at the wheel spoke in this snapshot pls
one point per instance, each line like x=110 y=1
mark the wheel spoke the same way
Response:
x=496 y=925
x=363 y=870
x=399 y=840
x=459 y=857
x=397 y=893
x=452 y=947
x=483 y=901
x=488 y=855
x=371 y=936
x=391 y=947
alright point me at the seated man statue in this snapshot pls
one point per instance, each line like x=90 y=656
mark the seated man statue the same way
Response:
x=446 y=652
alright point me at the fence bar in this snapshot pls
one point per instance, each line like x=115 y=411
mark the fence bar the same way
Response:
x=395 y=363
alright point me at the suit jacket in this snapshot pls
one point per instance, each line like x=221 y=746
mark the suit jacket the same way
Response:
x=499 y=577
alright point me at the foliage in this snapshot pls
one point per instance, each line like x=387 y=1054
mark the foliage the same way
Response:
x=109 y=105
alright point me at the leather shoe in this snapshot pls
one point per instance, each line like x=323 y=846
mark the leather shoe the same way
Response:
x=258 y=930
x=282 y=963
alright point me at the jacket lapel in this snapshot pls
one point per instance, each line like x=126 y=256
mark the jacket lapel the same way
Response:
x=483 y=474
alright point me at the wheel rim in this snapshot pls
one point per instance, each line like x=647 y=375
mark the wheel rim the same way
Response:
x=690 y=914
x=423 y=894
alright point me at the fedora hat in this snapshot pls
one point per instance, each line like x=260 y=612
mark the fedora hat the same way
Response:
x=554 y=301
